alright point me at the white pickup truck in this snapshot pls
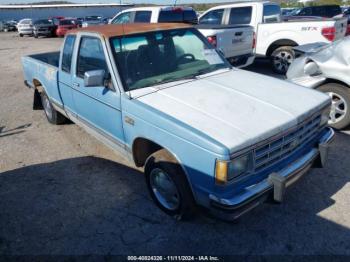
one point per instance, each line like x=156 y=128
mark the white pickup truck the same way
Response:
x=236 y=42
x=275 y=39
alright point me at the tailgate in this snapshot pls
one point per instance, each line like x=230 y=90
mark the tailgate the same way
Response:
x=235 y=41
x=340 y=28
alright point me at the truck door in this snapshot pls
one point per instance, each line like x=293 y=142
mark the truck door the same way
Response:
x=65 y=76
x=98 y=107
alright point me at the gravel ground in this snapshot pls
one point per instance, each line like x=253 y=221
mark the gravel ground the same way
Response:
x=62 y=192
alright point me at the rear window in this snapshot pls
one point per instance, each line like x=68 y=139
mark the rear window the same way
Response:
x=143 y=16
x=272 y=13
x=240 y=15
x=178 y=15
x=212 y=18
x=43 y=22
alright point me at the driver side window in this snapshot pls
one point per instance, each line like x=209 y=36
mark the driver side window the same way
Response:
x=91 y=56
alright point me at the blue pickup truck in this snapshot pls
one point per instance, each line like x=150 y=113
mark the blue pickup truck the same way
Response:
x=207 y=134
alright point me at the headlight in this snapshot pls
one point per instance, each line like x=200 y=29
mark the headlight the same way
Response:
x=325 y=116
x=228 y=170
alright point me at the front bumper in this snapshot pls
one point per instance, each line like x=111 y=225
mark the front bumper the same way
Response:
x=43 y=32
x=275 y=185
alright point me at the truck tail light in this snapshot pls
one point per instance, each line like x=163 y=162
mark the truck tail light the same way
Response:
x=348 y=30
x=254 y=40
x=329 y=33
x=212 y=40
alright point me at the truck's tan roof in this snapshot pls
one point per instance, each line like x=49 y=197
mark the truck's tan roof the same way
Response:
x=128 y=29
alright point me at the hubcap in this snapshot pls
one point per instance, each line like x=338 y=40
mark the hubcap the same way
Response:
x=164 y=189
x=282 y=61
x=338 y=109
x=47 y=107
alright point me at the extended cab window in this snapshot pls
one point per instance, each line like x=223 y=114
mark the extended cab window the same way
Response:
x=123 y=18
x=143 y=17
x=240 y=15
x=91 y=56
x=213 y=17
x=272 y=14
x=67 y=53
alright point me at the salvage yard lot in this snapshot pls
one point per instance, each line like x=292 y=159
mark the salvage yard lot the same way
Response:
x=62 y=192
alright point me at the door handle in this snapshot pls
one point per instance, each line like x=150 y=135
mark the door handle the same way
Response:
x=76 y=84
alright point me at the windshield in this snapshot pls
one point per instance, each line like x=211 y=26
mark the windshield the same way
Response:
x=43 y=22
x=156 y=58
x=92 y=18
x=67 y=22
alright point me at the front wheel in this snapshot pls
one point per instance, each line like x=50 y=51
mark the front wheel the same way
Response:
x=20 y=35
x=339 y=117
x=52 y=115
x=168 y=185
x=281 y=58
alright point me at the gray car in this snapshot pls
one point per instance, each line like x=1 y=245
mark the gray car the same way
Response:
x=326 y=67
x=44 y=27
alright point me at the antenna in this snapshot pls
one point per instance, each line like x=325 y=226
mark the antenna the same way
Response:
x=175 y=1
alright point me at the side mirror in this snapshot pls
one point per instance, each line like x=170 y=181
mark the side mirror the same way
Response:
x=94 y=78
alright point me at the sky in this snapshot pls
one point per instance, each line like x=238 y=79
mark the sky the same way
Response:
x=117 y=1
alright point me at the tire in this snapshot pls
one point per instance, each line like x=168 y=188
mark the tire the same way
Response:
x=161 y=167
x=340 y=111
x=281 y=58
x=52 y=115
x=20 y=35
x=35 y=36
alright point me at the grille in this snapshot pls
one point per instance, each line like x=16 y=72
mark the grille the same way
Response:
x=282 y=147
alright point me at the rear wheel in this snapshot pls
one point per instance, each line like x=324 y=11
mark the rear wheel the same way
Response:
x=52 y=115
x=339 y=117
x=281 y=58
x=168 y=185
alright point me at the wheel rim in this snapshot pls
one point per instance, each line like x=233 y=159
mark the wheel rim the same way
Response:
x=282 y=60
x=164 y=189
x=47 y=107
x=339 y=108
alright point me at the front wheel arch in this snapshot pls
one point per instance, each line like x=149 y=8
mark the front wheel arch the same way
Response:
x=142 y=150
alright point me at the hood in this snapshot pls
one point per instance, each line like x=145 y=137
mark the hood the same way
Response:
x=237 y=108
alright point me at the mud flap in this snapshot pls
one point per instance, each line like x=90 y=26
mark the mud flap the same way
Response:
x=323 y=149
x=279 y=186
x=37 y=100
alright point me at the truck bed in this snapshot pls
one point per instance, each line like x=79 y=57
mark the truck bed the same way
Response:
x=51 y=58
x=233 y=40
x=42 y=70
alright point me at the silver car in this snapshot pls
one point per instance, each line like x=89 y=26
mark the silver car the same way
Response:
x=326 y=67
x=25 y=27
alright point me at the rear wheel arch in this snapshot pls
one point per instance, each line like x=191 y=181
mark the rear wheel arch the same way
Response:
x=282 y=42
